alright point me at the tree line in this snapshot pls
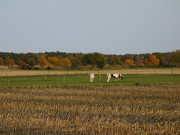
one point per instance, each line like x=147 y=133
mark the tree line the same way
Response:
x=62 y=60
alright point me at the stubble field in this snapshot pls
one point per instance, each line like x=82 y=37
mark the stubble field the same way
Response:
x=152 y=109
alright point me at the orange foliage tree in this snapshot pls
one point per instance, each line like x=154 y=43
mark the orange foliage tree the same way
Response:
x=129 y=62
x=1 y=61
x=54 y=61
x=152 y=60
x=9 y=62
x=65 y=62
x=43 y=61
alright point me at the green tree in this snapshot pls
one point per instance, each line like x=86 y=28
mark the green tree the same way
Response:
x=32 y=62
x=94 y=59
x=115 y=60
x=99 y=60
x=88 y=59
x=175 y=58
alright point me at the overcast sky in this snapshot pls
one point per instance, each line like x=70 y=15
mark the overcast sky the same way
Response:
x=105 y=26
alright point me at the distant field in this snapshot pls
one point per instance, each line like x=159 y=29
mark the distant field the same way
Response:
x=34 y=79
x=123 y=71
x=50 y=81
x=120 y=110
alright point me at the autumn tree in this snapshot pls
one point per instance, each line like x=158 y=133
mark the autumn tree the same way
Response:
x=21 y=64
x=43 y=62
x=65 y=62
x=124 y=57
x=160 y=57
x=152 y=60
x=54 y=61
x=25 y=62
x=137 y=60
x=1 y=61
x=129 y=62
x=75 y=61
x=8 y=61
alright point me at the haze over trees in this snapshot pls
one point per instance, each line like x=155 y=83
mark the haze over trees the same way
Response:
x=62 y=60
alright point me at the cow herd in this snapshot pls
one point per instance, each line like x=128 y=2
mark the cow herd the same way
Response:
x=109 y=77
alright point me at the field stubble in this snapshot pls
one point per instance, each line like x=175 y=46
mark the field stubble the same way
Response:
x=93 y=110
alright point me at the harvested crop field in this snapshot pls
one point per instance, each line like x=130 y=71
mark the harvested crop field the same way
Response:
x=152 y=109
x=123 y=71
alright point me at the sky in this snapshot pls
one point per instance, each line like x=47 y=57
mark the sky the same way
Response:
x=86 y=26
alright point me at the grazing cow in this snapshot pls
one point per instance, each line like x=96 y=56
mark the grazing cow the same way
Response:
x=91 y=77
x=108 y=77
x=114 y=76
x=120 y=76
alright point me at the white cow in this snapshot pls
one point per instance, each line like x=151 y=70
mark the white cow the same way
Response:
x=108 y=77
x=91 y=78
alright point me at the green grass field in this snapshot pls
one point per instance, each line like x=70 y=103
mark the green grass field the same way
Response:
x=83 y=80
